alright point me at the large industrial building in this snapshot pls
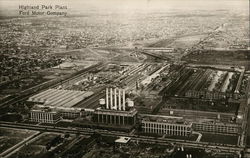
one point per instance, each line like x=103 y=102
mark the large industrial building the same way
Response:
x=59 y=97
x=60 y=102
x=168 y=125
x=216 y=127
x=173 y=125
x=213 y=122
x=115 y=109
x=44 y=115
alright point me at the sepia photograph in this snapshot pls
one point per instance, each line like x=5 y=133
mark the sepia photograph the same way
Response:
x=124 y=79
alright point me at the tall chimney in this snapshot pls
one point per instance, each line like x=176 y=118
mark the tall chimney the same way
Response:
x=111 y=99
x=107 y=98
x=119 y=99
x=123 y=96
x=115 y=102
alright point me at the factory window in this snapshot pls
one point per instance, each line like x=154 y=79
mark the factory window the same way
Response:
x=112 y=119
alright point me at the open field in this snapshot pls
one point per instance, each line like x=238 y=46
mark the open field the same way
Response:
x=219 y=138
x=214 y=57
x=10 y=137
x=185 y=41
x=43 y=145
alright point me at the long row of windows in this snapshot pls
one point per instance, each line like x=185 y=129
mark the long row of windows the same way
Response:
x=166 y=126
x=111 y=119
x=215 y=128
x=70 y=114
x=164 y=131
x=169 y=129
x=44 y=117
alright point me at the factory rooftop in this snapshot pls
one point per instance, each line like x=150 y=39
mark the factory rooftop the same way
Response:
x=60 y=98
x=38 y=108
x=217 y=122
x=131 y=111
x=47 y=108
x=165 y=119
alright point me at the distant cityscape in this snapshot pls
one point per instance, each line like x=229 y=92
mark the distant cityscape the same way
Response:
x=148 y=83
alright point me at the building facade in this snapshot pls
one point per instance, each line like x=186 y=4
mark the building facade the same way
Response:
x=103 y=116
x=44 y=116
x=216 y=127
x=115 y=109
x=163 y=125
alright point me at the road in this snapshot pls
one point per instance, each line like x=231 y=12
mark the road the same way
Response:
x=15 y=148
x=146 y=139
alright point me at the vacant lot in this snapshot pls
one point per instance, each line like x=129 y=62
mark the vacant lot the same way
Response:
x=219 y=138
x=10 y=137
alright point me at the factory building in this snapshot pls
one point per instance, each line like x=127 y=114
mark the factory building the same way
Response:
x=44 y=115
x=225 y=128
x=115 y=109
x=103 y=116
x=69 y=113
x=61 y=101
x=157 y=124
x=59 y=97
x=208 y=95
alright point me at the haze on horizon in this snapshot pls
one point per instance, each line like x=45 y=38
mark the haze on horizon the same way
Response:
x=128 y=6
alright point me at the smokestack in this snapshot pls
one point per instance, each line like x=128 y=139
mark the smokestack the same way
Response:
x=115 y=102
x=123 y=103
x=119 y=99
x=107 y=98
x=111 y=99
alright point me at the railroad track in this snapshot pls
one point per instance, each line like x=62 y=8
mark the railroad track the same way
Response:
x=141 y=138
x=50 y=84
